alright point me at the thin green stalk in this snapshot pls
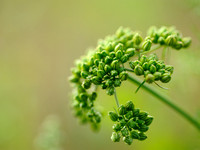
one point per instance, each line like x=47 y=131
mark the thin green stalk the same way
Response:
x=164 y=52
x=116 y=99
x=153 y=49
x=167 y=101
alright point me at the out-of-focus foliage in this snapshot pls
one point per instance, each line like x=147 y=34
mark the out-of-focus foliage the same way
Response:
x=39 y=40
x=50 y=136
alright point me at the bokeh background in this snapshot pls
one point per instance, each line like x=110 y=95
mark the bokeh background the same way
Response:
x=39 y=41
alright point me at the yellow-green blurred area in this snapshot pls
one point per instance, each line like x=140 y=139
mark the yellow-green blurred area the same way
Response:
x=39 y=41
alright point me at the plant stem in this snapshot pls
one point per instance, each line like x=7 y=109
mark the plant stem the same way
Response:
x=153 y=49
x=116 y=99
x=167 y=101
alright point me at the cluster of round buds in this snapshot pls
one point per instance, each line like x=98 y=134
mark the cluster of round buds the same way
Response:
x=83 y=103
x=152 y=69
x=104 y=66
x=131 y=123
x=168 y=36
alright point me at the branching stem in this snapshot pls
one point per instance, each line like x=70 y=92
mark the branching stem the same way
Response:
x=167 y=101
x=116 y=99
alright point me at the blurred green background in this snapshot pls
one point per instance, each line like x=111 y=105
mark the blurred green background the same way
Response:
x=39 y=41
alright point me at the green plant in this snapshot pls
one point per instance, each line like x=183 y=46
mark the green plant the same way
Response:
x=108 y=65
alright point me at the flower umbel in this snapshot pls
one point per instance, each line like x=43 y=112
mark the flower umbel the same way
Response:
x=104 y=66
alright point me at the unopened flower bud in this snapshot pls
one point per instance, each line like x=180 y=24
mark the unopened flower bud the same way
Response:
x=108 y=60
x=171 y=40
x=112 y=54
x=130 y=52
x=147 y=45
x=96 y=80
x=119 y=54
x=119 y=46
x=117 y=127
x=109 y=82
x=124 y=58
x=186 y=42
x=85 y=67
x=178 y=45
x=136 y=112
x=139 y=70
x=129 y=106
x=128 y=140
x=113 y=116
x=114 y=73
x=83 y=97
x=169 y=68
x=145 y=66
x=93 y=96
x=124 y=131
x=120 y=32
x=161 y=40
x=117 y=82
x=150 y=78
x=86 y=84
x=143 y=128
x=137 y=39
x=74 y=79
x=129 y=115
x=96 y=62
x=123 y=75
x=84 y=74
x=100 y=73
x=143 y=59
x=115 y=64
x=166 y=77
x=101 y=66
x=148 y=120
x=122 y=122
x=122 y=110
x=115 y=137
x=142 y=136
x=142 y=115
x=107 y=68
x=108 y=47
x=110 y=91
x=146 y=73
x=132 y=124
x=152 y=69
x=157 y=75
x=134 y=135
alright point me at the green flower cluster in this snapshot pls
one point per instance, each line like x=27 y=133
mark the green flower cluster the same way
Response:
x=103 y=66
x=152 y=69
x=131 y=123
x=84 y=99
x=168 y=36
